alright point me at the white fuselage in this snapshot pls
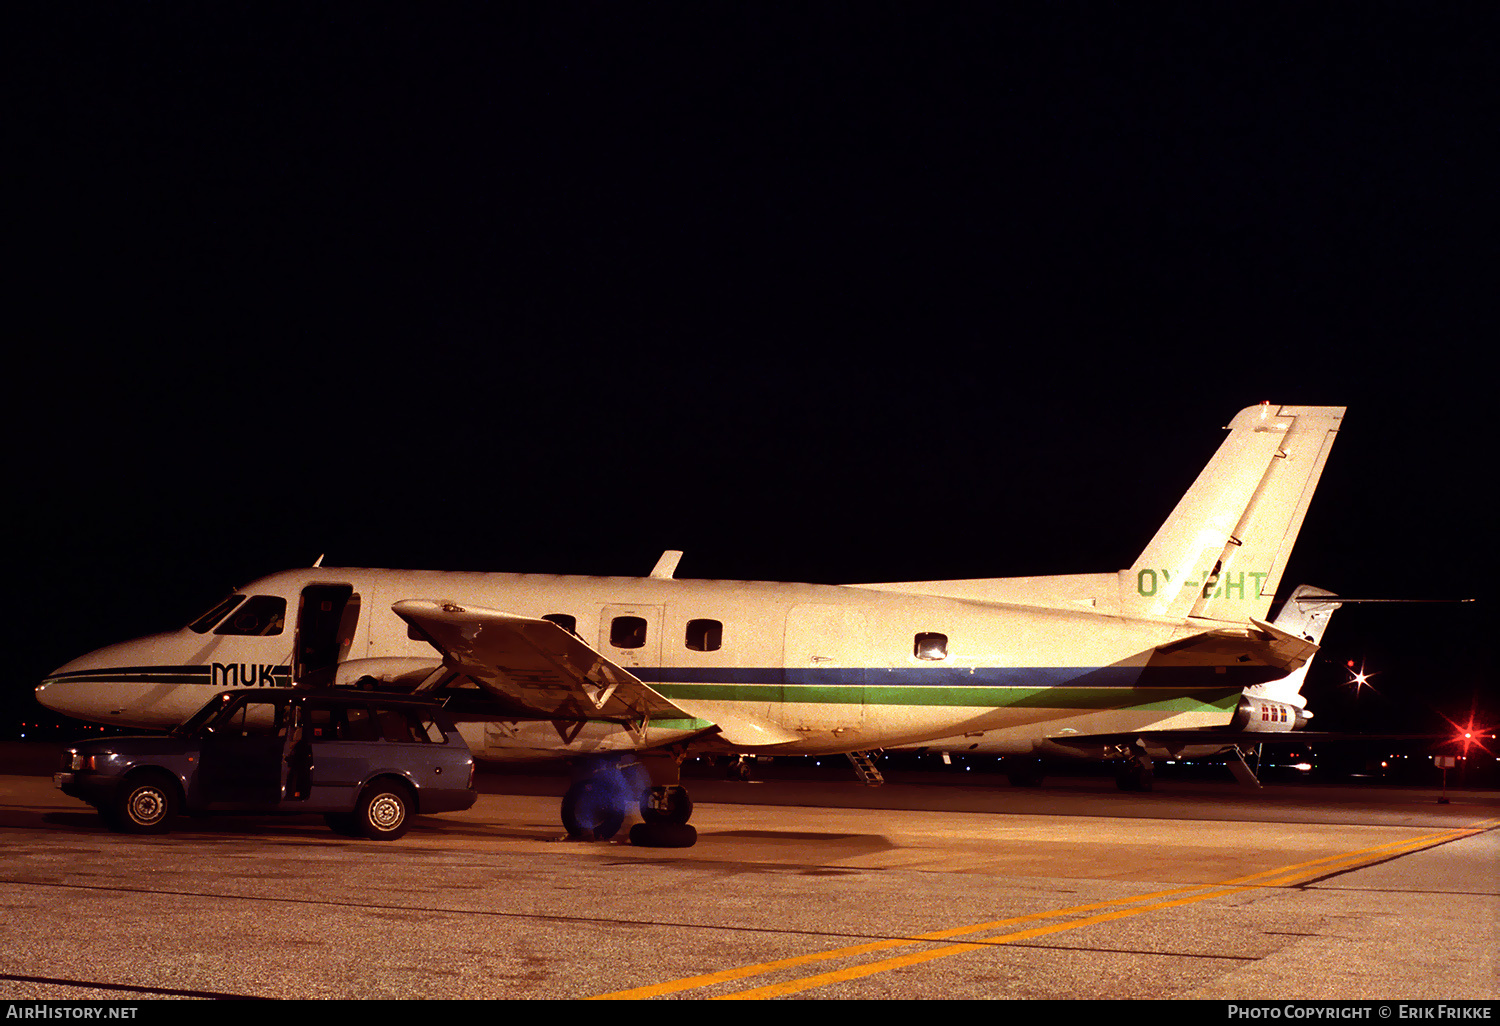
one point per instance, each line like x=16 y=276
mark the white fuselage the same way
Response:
x=829 y=668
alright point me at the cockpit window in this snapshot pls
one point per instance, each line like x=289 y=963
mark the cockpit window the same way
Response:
x=205 y=622
x=260 y=616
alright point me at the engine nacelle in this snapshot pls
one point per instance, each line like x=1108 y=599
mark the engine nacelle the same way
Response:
x=1255 y=714
x=396 y=672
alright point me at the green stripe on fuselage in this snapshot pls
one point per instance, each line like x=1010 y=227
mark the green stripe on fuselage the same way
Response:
x=1164 y=699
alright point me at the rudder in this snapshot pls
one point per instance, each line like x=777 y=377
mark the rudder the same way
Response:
x=1221 y=553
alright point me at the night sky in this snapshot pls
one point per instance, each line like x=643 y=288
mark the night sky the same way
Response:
x=834 y=292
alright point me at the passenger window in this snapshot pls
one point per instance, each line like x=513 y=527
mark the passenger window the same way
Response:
x=704 y=635
x=563 y=620
x=395 y=726
x=204 y=623
x=358 y=725
x=317 y=724
x=257 y=719
x=930 y=646
x=260 y=616
x=627 y=632
x=430 y=731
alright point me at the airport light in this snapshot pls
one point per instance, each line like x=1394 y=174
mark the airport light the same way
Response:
x=1468 y=734
x=1358 y=679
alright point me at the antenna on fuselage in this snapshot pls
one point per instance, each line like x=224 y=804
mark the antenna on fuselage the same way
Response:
x=319 y=560
x=666 y=566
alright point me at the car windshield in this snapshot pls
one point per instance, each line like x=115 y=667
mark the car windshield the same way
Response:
x=194 y=723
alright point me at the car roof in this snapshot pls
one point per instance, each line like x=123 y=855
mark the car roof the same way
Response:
x=347 y=696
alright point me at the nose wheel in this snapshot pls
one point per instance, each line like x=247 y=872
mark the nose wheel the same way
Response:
x=669 y=804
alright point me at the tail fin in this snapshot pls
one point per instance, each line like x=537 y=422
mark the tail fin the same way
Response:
x=1221 y=553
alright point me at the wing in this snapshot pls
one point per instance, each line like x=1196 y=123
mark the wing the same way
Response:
x=536 y=667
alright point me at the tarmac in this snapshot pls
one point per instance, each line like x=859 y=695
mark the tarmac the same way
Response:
x=925 y=888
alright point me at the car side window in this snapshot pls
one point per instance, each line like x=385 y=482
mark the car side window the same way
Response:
x=397 y=725
x=256 y=719
x=429 y=729
x=358 y=725
x=317 y=723
x=409 y=726
x=340 y=722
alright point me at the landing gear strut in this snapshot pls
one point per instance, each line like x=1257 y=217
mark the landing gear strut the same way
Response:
x=1135 y=771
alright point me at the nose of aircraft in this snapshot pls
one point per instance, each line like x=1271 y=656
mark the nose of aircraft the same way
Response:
x=153 y=682
x=78 y=689
x=108 y=686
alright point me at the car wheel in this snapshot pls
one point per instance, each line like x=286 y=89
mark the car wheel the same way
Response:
x=384 y=811
x=145 y=804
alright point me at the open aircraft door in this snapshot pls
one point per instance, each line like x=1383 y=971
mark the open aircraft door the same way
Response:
x=327 y=618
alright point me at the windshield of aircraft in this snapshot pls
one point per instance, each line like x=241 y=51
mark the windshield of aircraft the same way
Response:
x=196 y=722
x=221 y=609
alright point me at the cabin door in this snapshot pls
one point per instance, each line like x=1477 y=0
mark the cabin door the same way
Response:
x=824 y=668
x=326 y=620
x=631 y=635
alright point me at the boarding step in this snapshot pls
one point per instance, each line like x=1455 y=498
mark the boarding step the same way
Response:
x=864 y=766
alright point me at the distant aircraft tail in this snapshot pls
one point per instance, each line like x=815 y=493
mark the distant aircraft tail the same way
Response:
x=1221 y=553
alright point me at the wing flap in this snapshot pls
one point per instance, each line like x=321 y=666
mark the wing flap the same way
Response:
x=534 y=664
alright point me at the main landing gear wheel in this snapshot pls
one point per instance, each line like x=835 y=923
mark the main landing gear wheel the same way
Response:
x=1134 y=776
x=594 y=809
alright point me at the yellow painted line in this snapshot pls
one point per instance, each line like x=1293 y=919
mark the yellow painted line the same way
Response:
x=1280 y=876
x=916 y=958
x=724 y=976
x=1364 y=855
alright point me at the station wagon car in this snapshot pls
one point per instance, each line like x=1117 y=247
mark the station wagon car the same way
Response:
x=368 y=762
